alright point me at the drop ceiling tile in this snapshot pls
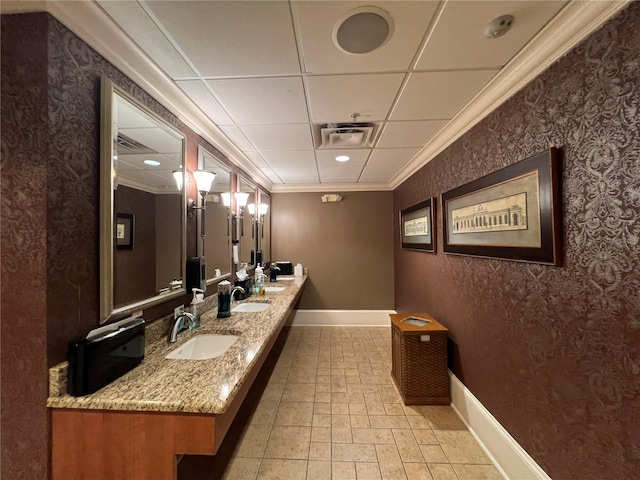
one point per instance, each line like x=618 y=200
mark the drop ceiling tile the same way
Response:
x=409 y=134
x=317 y=20
x=392 y=159
x=236 y=136
x=202 y=97
x=271 y=174
x=372 y=175
x=232 y=38
x=339 y=174
x=290 y=158
x=255 y=158
x=327 y=158
x=154 y=138
x=334 y=98
x=439 y=95
x=263 y=101
x=136 y=160
x=458 y=39
x=280 y=137
x=138 y=25
x=297 y=175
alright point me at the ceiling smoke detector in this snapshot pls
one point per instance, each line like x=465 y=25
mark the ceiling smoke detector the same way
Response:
x=363 y=30
x=499 y=26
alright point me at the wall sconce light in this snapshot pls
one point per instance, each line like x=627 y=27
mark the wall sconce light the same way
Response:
x=241 y=199
x=261 y=209
x=241 y=202
x=204 y=180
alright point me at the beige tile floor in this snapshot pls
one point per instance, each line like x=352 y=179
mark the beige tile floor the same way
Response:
x=325 y=407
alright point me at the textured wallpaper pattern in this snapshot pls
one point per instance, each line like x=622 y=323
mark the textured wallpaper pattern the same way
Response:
x=553 y=353
x=23 y=166
x=50 y=192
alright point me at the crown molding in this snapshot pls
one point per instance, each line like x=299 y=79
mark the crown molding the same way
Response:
x=95 y=27
x=330 y=187
x=573 y=24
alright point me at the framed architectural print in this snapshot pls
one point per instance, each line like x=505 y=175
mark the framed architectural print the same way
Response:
x=417 y=226
x=513 y=213
x=124 y=231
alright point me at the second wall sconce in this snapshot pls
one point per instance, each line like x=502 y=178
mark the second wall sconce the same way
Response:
x=241 y=202
x=204 y=180
x=262 y=209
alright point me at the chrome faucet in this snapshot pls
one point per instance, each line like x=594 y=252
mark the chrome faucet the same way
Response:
x=178 y=326
x=233 y=293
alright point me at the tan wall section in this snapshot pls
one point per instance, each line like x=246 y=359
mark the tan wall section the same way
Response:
x=347 y=246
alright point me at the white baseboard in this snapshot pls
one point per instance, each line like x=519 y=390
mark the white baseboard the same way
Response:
x=342 y=318
x=513 y=462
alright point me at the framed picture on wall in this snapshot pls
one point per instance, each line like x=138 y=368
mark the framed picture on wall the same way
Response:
x=513 y=213
x=124 y=231
x=417 y=226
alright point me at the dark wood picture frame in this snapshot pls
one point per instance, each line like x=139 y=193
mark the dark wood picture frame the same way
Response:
x=125 y=226
x=513 y=213
x=422 y=220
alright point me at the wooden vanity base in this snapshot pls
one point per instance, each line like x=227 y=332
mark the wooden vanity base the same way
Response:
x=132 y=445
x=111 y=445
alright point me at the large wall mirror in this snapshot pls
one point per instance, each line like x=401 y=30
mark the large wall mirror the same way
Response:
x=216 y=245
x=142 y=206
x=264 y=226
x=246 y=233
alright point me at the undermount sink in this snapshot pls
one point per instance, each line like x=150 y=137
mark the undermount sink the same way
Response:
x=203 y=347
x=251 y=307
x=274 y=289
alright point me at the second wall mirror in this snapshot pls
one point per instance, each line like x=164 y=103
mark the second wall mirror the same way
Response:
x=216 y=245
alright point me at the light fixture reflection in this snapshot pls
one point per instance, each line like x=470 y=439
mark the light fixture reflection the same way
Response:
x=177 y=176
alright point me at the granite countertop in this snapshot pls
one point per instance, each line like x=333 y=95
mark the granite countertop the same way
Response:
x=194 y=386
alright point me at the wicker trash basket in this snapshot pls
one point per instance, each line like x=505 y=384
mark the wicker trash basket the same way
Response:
x=419 y=359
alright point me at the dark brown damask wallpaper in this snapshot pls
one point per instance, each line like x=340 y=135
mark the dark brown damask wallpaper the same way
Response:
x=553 y=353
x=50 y=188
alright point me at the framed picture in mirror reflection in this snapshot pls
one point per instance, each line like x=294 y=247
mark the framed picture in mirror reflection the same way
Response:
x=125 y=226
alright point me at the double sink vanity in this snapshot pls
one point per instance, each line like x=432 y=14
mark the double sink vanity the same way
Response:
x=176 y=402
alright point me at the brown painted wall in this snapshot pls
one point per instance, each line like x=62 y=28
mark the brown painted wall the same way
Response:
x=347 y=246
x=168 y=239
x=134 y=269
x=553 y=353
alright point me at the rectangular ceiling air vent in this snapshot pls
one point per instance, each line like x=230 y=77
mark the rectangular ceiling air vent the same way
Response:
x=126 y=144
x=346 y=135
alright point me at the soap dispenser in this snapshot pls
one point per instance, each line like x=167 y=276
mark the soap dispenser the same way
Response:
x=196 y=307
x=224 y=299
x=273 y=272
x=259 y=281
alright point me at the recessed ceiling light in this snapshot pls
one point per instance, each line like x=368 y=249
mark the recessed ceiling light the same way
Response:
x=363 y=30
x=343 y=158
x=153 y=163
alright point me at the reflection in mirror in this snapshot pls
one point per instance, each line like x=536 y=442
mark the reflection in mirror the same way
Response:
x=142 y=208
x=264 y=222
x=217 y=242
x=248 y=240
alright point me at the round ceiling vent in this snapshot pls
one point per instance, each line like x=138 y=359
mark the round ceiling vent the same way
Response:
x=363 y=30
